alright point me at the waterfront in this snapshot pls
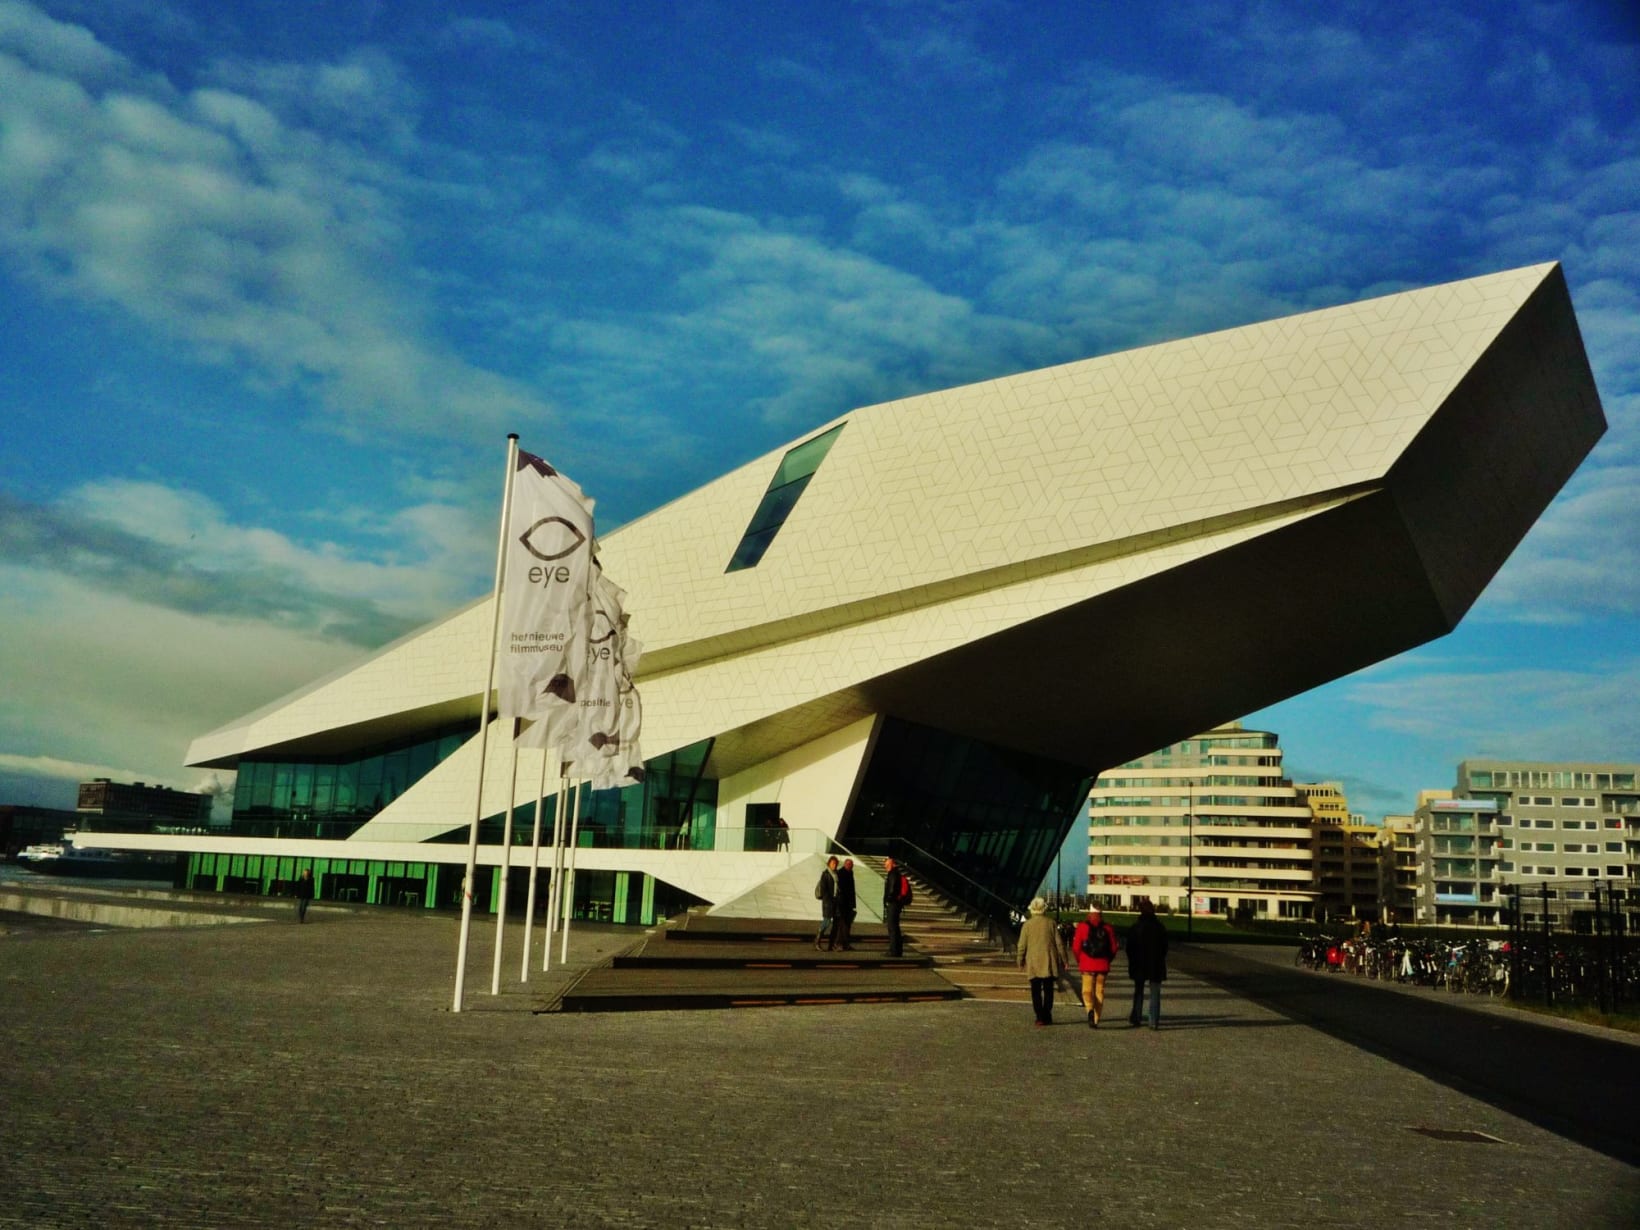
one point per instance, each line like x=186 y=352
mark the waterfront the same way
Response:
x=270 y=1074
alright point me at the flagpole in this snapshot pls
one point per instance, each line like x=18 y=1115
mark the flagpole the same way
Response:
x=555 y=894
x=506 y=863
x=569 y=882
x=535 y=869
x=484 y=726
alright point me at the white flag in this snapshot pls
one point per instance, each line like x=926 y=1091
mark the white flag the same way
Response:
x=570 y=712
x=606 y=752
x=544 y=597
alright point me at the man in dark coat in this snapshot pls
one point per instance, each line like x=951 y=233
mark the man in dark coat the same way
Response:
x=826 y=891
x=896 y=891
x=304 y=894
x=1147 y=961
x=846 y=904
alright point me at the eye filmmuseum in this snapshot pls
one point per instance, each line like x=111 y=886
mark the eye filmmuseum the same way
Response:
x=924 y=627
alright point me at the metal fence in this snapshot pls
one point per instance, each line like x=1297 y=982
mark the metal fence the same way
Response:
x=1571 y=943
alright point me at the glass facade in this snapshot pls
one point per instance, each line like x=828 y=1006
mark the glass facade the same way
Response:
x=601 y=896
x=673 y=808
x=331 y=798
x=995 y=817
x=796 y=468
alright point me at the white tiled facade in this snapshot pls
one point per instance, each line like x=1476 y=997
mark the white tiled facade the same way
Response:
x=1058 y=562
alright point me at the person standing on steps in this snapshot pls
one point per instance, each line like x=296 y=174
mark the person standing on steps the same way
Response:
x=1095 y=947
x=304 y=894
x=826 y=891
x=846 y=904
x=1147 y=961
x=1042 y=957
x=896 y=896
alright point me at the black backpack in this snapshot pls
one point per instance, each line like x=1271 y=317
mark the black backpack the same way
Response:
x=1096 y=943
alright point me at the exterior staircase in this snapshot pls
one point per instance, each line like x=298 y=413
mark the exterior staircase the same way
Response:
x=961 y=951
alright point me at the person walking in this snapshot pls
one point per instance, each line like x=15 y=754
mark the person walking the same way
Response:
x=896 y=896
x=846 y=904
x=826 y=891
x=303 y=891
x=1147 y=961
x=1095 y=947
x=1042 y=957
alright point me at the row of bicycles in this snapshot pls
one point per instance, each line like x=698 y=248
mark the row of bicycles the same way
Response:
x=1532 y=967
x=1478 y=966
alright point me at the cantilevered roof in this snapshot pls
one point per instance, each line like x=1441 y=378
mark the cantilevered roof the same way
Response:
x=1085 y=561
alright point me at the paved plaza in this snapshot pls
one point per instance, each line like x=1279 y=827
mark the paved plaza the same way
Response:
x=268 y=1074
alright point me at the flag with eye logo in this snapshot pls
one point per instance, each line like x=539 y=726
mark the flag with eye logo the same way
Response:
x=606 y=751
x=598 y=734
x=547 y=572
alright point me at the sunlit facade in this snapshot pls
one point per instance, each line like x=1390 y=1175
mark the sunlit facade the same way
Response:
x=1209 y=820
x=924 y=626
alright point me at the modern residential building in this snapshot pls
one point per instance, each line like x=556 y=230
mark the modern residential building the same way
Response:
x=1345 y=848
x=1398 y=869
x=1458 y=860
x=1209 y=820
x=1572 y=823
x=925 y=626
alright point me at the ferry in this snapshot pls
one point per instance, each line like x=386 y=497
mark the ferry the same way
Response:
x=64 y=858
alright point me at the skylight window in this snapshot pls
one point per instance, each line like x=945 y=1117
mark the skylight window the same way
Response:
x=796 y=468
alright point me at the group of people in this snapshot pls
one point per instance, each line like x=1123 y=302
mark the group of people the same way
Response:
x=1094 y=945
x=835 y=892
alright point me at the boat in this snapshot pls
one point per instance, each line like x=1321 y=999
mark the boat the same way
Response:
x=64 y=858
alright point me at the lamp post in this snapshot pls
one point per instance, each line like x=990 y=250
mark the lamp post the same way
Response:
x=1190 y=862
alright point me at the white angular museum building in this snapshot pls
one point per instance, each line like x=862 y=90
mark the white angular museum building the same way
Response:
x=924 y=627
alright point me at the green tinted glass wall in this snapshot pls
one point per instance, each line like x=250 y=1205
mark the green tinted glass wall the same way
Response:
x=993 y=816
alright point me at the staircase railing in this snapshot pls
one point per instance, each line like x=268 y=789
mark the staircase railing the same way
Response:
x=1000 y=917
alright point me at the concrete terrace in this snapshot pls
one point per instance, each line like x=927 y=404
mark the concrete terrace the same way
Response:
x=269 y=1074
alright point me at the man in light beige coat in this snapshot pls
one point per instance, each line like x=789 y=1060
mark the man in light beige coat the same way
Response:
x=1042 y=956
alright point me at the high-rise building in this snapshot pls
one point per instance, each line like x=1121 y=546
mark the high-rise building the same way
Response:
x=1573 y=823
x=1398 y=869
x=1207 y=823
x=1346 y=853
x=1458 y=860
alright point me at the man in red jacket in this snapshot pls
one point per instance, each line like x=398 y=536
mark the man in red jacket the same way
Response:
x=1095 y=947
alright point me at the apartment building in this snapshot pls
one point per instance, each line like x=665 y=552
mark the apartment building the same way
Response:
x=1571 y=825
x=1398 y=869
x=1345 y=847
x=1208 y=823
x=1459 y=860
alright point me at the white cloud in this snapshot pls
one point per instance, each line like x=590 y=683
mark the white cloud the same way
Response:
x=1581 y=559
x=176 y=549
x=127 y=685
x=218 y=220
x=53 y=45
x=1516 y=714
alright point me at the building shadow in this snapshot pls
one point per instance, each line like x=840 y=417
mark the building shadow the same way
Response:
x=1573 y=1084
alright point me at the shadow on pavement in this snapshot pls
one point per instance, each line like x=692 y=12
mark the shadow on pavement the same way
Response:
x=1571 y=1083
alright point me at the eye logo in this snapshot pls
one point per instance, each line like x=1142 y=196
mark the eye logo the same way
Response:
x=552 y=538
x=603 y=627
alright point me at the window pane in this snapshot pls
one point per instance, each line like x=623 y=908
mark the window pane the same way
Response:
x=751 y=549
x=805 y=459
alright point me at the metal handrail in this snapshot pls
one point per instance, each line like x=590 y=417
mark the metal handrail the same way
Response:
x=1001 y=926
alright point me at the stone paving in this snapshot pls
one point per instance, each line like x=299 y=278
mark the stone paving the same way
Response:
x=270 y=1074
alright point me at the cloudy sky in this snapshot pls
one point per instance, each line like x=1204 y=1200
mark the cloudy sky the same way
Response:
x=277 y=279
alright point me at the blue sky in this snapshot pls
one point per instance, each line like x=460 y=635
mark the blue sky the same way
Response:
x=276 y=280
